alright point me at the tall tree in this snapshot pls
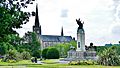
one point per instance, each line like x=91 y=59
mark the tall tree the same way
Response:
x=11 y=16
x=32 y=44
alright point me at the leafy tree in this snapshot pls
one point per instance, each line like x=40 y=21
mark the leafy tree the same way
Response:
x=5 y=47
x=63 y=48
x=109 y=57
x=73 y=43
x=52 y=53
x=11 y=16
x=44 y=52
x=32 y=45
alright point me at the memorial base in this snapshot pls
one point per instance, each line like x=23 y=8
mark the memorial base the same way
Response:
x=74 y=55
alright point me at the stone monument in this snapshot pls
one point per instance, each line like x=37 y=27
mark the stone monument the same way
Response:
x=81 y=53
x=80 y=36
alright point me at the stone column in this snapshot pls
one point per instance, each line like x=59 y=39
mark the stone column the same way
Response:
x=80 y=40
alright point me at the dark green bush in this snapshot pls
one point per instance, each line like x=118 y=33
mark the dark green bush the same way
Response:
x=52 y=53
x=36 y=53
x=44 y=52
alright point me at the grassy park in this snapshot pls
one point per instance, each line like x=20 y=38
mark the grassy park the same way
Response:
x=48 y=64
x=18 y=51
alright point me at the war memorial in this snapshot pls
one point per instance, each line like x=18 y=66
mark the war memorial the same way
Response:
x=81 y=53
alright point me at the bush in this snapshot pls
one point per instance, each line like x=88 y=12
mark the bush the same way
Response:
x=52 y=53
x=87 y=62
x=25 y=55
x=109 y=57
x=12 y=55
x=44 y=52
x=37 y=53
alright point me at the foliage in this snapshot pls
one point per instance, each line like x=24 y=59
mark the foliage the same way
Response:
x=52 y=53
x=3 y=48
x=25 y=55
x=37 y=53
x=44 y=52
x=99 y=49
x=63 y=48
x=109 y=57
x=11 y=16
x=33 y=45
x=87 y=62
x=118 y=49
x=12 y=55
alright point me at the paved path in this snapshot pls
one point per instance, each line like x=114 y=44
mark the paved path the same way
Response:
x=61 y=62
x=39 y=62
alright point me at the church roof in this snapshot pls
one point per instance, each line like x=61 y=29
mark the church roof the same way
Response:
x=55 y=38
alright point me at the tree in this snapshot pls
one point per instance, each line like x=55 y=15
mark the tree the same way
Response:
x=32 y=45
x=5 y=47
x=63 y=48
x=109 y=57
x=52 y=53
x=11 y=16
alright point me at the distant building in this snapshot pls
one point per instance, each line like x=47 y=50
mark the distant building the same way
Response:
x=48 y=40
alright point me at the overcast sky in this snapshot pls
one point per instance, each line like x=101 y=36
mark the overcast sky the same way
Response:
x=101 y=19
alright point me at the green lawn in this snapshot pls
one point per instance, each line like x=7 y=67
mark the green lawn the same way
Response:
x=29 y=64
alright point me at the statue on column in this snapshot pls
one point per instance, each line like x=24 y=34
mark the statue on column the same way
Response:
x=79 y=22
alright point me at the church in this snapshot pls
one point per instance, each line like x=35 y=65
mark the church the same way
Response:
x=48 y=40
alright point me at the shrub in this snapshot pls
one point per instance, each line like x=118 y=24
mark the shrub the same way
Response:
x=44 y=52
x=52 y=53
x=87 y=62
x=109 y=57
x=37 y=53
x=25 y=55
x=12 y=55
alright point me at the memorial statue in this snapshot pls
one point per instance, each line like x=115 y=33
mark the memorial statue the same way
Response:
x=79 y=23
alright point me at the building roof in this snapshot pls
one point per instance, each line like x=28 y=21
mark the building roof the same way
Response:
x=55 y=38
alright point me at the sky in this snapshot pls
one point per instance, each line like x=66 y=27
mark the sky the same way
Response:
x=101 y=19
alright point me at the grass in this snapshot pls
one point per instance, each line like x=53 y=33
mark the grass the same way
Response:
x=29 y=64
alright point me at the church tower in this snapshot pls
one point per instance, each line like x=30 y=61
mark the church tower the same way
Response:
x=37 y=26
x=62 y=34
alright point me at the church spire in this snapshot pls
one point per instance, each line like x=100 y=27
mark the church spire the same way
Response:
x=36 y=17
x=62 y=34
x=37 y=27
